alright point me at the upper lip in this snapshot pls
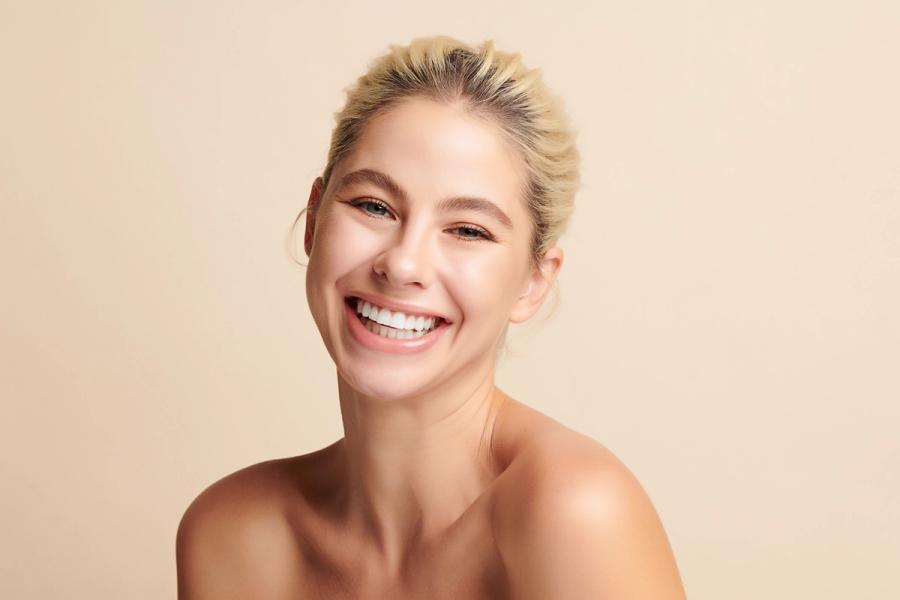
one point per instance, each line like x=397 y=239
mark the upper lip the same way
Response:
x=393 y=305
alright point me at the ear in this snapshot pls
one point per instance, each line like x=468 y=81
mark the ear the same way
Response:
x=312 y=207
x=539 y=281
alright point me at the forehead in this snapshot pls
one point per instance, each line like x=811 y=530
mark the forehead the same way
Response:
x=436 y=150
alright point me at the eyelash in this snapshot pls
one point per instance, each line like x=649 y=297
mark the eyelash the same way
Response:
x=483 y=234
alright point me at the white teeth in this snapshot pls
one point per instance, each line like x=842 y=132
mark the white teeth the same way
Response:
x=399 y=334
x=396 y=320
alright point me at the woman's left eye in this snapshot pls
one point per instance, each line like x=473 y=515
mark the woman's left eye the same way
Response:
x=471 y=233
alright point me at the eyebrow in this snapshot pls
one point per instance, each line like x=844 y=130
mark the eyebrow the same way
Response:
x=460 y=203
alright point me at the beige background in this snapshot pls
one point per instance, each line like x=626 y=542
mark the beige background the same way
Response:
x=727 y=320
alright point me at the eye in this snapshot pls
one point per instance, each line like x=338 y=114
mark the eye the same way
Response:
x=372 y=207
x=472 y=233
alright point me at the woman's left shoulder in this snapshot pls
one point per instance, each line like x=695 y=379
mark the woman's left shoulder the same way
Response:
x=564 y=470
x=572 y=520
x=554 y=462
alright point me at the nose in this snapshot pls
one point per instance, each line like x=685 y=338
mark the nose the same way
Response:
x=406 y=259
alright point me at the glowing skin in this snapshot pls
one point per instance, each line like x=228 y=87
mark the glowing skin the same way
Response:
x=409 y=251
x=423 y=496
x=418 y=415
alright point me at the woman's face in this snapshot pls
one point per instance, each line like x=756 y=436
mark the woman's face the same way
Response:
x=424 y=217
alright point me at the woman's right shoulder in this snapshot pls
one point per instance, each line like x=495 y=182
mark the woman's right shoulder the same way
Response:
x=236 y=532
x=252 y=492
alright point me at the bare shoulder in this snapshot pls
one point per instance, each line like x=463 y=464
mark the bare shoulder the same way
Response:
x=571 y=520
x=234 y=540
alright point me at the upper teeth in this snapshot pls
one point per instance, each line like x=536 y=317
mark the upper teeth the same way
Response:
x=397 y=319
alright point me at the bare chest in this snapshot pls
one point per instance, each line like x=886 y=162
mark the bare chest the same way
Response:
x=463 y=564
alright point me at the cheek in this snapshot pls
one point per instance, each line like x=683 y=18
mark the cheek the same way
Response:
x=341 y=244
x=485 y=285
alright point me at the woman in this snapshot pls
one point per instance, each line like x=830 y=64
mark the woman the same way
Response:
x=451 y=175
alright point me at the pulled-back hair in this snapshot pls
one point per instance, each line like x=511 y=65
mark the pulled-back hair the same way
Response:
x=489 y=83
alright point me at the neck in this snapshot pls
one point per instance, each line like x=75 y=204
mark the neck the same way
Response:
x=414 y=467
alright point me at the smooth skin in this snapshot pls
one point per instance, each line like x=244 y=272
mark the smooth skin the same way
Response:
x=442 y=486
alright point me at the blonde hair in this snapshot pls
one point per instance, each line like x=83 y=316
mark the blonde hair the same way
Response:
x=489 y=83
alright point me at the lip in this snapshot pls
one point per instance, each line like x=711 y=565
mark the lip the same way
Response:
x=393 y=306
x=373 y=341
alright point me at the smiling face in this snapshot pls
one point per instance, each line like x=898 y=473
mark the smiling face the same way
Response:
x=424 y=217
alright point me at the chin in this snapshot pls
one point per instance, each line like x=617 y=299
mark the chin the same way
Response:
x=385 y=385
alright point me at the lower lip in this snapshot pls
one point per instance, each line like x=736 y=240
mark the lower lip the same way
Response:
x=375 y=342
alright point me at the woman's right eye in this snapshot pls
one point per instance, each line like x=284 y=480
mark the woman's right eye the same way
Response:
x=372 y=207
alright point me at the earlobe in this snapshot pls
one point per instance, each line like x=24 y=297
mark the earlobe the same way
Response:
x=539 y=282
x=315 y=195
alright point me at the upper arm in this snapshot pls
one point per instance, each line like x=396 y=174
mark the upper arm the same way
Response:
x=587 y=531
x=230 y=545
x=203 y=552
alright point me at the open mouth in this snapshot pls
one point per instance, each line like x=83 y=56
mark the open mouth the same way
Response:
x=393 y=324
